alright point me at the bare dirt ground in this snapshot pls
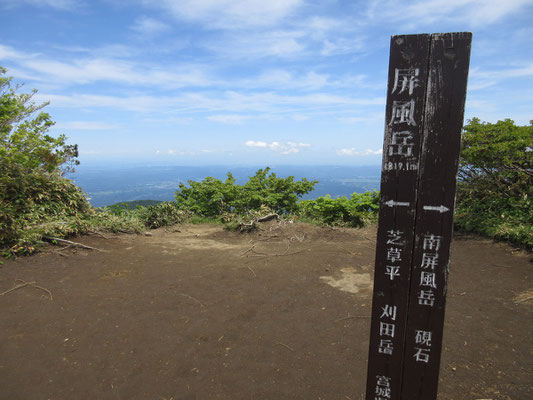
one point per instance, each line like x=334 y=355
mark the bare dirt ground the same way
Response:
x=195 y=312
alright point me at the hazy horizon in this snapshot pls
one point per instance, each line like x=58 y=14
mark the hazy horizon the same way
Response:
x=110 y=184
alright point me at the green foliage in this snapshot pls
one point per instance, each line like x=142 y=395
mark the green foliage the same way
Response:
x=209 y=198
x=278 y=194
x=265 y=193
x=24 y=143
x=213 y=198
x=499 y=155
x=495 y=187
x=163 y=214
x=356 y=211
x=33 y=191
x=132 y=205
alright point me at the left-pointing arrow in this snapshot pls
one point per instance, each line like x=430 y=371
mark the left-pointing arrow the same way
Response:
x=392 y=203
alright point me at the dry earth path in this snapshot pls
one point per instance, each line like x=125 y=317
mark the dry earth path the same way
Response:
x=196 y=312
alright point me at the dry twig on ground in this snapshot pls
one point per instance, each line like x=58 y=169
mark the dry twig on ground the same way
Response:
x=193 y=298
x=286 y=346
x=24 y=284
x=70 y=243
x=99 y=234
x=353 y=316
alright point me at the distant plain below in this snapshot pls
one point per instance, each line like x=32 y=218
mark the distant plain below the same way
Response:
x=107 y=185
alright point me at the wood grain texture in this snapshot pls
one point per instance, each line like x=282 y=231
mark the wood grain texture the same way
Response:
x=424 y=117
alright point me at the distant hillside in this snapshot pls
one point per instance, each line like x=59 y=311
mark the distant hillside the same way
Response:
x=132 y=205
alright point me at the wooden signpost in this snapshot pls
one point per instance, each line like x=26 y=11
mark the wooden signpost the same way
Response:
x=424 y=118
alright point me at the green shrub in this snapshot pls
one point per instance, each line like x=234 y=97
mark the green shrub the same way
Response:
x=212 y=198
x=163 y=214
x=209 y=198
x=33 y=192
x=357 y=211
x=278 y=194
x=495 y=186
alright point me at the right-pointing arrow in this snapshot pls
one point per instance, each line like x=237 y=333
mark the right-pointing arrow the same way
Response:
x=440 y=209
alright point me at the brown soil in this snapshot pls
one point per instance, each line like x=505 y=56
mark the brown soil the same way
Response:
x=196 y=312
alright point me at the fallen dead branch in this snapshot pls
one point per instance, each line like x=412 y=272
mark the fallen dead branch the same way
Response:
x=99 y=234
x=523 y=300
x=247 y=251
x=64 y=241
x=267 y=238
x=261 y=254
x=353 y=316
x=298 y=238
x=252 y=224
x=524 y=297
x=268 y=218
x=501 y=266
x=24 y=284
x=280 y=255
x=286 y=346
x=193 y=298
x=249 y=268
x=58 y=251
x=126 y=231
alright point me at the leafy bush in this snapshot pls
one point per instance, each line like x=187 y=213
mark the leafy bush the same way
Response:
x=34 y=199
x=357 y=211
x=278 y=194
x=495 y=186
x=213 y=198
x=33 y=191
x=163 y=214
x=209 y=198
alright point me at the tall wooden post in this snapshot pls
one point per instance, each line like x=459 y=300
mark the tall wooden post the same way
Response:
x=424 y=117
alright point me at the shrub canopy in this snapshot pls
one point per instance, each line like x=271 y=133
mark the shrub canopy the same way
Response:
x=32 y=163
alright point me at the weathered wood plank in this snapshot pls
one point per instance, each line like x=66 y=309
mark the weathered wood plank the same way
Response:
x=443 y=121
x=408 y=68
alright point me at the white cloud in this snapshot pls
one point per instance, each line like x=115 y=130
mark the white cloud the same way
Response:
x=282 y=148
x=259 y=44
x=374 y=117
x=339 y=45
x=427 y=12
x=230 y=101
x=280 y=78
x=229 y=14
x=57 y=4
x=9 y=53
x=252 y=143
x=354 y=152
x=150 y=26
x=92 y=69
x=479 y=79
x=228 y=118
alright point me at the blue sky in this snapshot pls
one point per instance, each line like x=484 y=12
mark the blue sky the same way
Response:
x=197 y=82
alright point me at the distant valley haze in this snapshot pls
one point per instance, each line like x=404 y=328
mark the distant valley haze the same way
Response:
x=111 y=184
